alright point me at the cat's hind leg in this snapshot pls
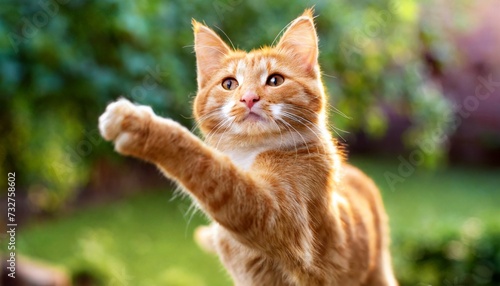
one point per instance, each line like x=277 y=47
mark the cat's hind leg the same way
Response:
x=204 y=236
x=382 y=274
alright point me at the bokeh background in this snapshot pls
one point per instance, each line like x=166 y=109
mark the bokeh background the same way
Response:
x=415 y=96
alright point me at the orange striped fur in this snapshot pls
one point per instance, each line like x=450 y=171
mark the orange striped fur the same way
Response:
x=286 y=208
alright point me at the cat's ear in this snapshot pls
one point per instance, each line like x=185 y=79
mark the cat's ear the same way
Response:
x=301 y=41
x=210 y=49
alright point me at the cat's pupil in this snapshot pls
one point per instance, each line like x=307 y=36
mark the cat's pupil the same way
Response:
x=275 y=80
x=229 y=83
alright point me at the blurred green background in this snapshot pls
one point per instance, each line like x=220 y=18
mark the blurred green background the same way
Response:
x=415 y=97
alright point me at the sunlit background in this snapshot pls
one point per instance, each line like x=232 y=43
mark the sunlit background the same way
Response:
x=415 y=97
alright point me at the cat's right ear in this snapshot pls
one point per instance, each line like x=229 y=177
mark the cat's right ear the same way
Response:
x=210 y=50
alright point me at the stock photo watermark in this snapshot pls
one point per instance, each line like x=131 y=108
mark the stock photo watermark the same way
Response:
x=75 y=154
x=480 y=276
x=376 y=24
x=457 y=281
x=407 y=165
x=221 y=7
x=154 y=76
x=29 y=26
x=11 y=224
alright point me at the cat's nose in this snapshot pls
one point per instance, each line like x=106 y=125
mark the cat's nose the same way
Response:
x=250 y=98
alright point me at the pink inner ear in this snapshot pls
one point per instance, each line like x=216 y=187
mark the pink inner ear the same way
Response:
x=301 y=41
x=210 y=51
x=307 y=55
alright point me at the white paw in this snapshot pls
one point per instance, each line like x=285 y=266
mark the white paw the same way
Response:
x=121 y=120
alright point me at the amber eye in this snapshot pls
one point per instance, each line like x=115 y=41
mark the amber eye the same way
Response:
x=230 y=83
x=275 y=80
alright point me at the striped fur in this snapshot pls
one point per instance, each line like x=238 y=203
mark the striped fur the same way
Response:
x=286 y=208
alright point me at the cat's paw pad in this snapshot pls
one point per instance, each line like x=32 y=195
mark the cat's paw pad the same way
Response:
x=122 y=120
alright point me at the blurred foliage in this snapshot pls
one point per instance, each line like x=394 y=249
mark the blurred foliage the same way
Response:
x=451 y=258
x=94 y=263
x=62 y=61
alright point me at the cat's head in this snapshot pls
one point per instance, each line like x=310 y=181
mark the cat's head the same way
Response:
x=267 y=93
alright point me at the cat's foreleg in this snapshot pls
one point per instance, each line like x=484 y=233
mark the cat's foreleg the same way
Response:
x=236 y=200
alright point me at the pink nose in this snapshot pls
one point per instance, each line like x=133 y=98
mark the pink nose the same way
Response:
x=250 y=98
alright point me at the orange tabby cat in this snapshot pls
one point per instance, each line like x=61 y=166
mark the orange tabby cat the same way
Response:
x=286 y=209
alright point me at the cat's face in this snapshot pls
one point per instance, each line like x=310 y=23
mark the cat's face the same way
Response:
x=266 y=92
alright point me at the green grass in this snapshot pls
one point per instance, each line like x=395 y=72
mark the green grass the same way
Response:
x=147 y=239
x=440 y=200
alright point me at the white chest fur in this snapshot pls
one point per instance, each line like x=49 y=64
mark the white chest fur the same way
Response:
x=243 y=158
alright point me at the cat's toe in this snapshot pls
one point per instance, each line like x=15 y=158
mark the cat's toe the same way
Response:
x=110 y=122
x=126 y=125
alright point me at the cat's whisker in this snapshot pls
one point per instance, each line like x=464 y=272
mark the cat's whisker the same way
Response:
x=287 y=126
x=336 y=110
x=223 y=133
x=209 y=135
x=300 y=120
x=216 y=129
x=338 y=134
x=206 y=47
x=339 y=129
x=301 y=110
x=202 y=120
x=231 y=42
x=279 y=129
x=328 y=75
x=298 y=132
x=330 y=126
x=281 y=32
x=205 y=117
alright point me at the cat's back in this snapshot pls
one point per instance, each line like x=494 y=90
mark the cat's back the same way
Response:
x=358 y=184
x=364 y=200
x=365 y=217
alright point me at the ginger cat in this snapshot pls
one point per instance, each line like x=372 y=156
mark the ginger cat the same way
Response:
x=286 y=208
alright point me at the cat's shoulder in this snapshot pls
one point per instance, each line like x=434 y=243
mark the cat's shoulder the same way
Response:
x=356 y=181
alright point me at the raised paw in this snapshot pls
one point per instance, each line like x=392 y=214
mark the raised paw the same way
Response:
x=127 y=125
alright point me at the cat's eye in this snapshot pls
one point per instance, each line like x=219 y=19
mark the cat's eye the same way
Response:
x=230 y=83
x=275 y=80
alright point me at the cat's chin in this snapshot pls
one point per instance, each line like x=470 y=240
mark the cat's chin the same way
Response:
x=253 y=117
x=254 y=125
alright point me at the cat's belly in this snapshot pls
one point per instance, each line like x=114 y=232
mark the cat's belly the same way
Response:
x=247 y=266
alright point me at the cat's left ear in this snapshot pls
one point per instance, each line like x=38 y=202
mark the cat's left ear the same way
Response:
x=210 y=50
x=301 y=41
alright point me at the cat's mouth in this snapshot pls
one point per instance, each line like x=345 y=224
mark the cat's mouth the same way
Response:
x=253 y=117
